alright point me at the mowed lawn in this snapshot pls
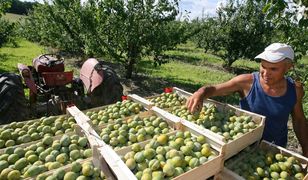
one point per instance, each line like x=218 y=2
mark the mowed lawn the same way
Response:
x=14 y=17
x=25 y=52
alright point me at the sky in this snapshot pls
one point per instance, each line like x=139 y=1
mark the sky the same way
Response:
x=197 y=8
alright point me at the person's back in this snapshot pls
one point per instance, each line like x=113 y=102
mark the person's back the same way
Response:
x=275 y=108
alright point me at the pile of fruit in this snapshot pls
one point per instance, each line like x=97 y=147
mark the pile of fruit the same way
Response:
x=43 y=156
x=115 y=111
x=79 y=171
x=168 y=155
x=261 y=164
x=24 y=132
x=167 y=100
x=226 y=124
x=132 y=130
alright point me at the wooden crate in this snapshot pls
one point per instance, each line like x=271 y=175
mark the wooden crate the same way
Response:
x=120 y=171
x=236 y=145
x=58 y=137
x=145 y=104
x=66 y=168
x=173 y=121
x=267 y=146
x=32 y=121
x=178 y=91
x=132 y=97
x=33 y=142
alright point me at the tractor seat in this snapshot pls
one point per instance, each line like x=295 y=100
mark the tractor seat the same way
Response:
x=48 y=64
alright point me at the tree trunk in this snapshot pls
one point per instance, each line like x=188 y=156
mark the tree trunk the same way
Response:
x=227 y=64
x=129 y=68
x=133 y=55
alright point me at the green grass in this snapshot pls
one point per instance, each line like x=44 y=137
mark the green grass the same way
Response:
x=190 y=65
x=13 y=17
x=24 y=53
x=185 y=73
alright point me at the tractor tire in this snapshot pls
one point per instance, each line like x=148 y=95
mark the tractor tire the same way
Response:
x=13 y=104
x=110 y=91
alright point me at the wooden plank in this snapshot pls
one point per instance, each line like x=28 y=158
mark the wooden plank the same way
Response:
x=144 y=102
x=118 y=167
x=171 y=119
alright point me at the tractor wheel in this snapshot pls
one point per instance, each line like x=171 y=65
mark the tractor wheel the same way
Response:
x=13 y=106
x=110 y=91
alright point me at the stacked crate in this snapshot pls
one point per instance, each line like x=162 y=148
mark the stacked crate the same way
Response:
x=143 y=138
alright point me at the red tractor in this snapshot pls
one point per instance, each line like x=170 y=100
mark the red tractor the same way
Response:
x=52 y=89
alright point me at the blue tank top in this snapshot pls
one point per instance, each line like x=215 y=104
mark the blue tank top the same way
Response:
x=275 y=109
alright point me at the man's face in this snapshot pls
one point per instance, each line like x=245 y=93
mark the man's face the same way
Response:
x=272 y=73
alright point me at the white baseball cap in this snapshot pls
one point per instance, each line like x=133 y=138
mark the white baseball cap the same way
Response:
x=276 y=52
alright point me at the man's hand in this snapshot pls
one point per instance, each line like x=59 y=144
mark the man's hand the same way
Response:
x=195 y=102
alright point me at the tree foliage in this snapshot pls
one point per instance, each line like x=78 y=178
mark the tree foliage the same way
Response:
x=207 y=37
x=7 y=29
x=63 y=24
x=4 y=5
x=239 y=31
x=125 y=30
x=19 y=7
x=296 y=9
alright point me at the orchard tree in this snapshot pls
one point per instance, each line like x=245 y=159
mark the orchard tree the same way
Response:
x=63 y=24
x=123 y=29
x=209 y=35
x=245 y=30
x=167 y=36
x=291 y=21
x=7 y=29
x=133 y=26
x=296 y=9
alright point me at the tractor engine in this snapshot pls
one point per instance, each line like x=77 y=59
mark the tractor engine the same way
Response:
x=52 y=89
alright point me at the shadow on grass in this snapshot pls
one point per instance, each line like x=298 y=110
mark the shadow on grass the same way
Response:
x=184 y=58
x=241 y=70
x=186 y=49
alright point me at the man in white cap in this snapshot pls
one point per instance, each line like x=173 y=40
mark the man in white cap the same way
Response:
x=267 y=92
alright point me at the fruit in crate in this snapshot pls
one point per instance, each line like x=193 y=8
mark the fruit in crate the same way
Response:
x=167 y=100
x=79 y=171
x=48 y=154
x=136 y=129
x=17 y=133
x=226 y=124
x=261 y=164
x=168 y=155
x=118 y=110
